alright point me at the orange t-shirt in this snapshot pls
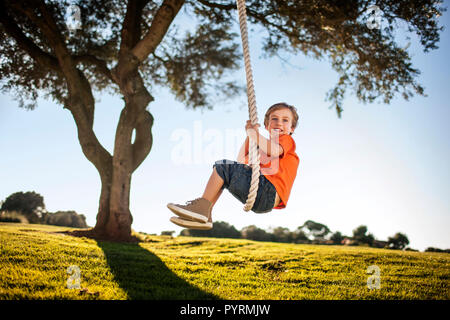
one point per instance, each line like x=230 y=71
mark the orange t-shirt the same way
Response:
x=281 y=172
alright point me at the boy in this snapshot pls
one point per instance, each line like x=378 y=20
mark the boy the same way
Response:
x=275 y=182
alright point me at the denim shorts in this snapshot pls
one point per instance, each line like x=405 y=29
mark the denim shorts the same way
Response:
x=237 y=177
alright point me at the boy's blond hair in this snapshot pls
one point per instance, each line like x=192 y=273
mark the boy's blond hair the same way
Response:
x=282 y=105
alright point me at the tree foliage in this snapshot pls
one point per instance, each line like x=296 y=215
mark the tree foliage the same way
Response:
x=185 y=62
x=281 y=234
x=254 y=233
x=30 y=204
x=315 y=230
x=360 y=236
x=66 y=218
x=337 y=237
x=192 y=62
x=220 y=229
x=398 y=241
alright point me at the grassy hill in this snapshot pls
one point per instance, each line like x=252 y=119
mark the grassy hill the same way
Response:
x=34 y=261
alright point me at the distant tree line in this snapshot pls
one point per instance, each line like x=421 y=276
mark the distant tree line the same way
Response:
x=29 y=207
x=310 y=232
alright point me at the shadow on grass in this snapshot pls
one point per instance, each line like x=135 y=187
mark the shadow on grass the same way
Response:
x=144 y=276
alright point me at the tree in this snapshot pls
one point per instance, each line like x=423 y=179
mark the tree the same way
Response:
x=337 y=237
x=316 y=230
x=131 y=48
x=360 y=236
x=66 y=218
x=220 y=229
x=281 y=234
x=398 y=241
x=299 y=236
x=30 y=204
x=254 y=233
x=432 y=249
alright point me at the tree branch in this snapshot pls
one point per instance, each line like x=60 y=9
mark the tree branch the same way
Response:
x=131 y=29
x=48 y=27
x=81 y=101
x=129 y=60
x=101 y=65
x=160 y=24
x=231 y=6
x=144 y=139
x=40 y=56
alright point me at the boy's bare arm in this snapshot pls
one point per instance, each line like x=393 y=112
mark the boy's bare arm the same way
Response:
x=242 y=153
x=269 y=147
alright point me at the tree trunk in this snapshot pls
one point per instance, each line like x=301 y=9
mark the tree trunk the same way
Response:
x=103 y=208
x=118 y=226
x=114 y=218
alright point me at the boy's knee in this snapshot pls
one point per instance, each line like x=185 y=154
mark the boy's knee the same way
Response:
x=216 y=173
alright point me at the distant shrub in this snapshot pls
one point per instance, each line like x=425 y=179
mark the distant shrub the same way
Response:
x=337 y=237
x=431 y=249
x=220 y=230
x=66 y=219
x=398 y=241
x=12 y=216
x=29 y=204
x=254 y=233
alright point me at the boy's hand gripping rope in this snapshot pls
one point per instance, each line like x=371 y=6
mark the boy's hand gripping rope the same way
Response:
x=254 y=159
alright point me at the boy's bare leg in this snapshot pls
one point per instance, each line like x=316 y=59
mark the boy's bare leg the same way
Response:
x=213 y=188
x=217 y=197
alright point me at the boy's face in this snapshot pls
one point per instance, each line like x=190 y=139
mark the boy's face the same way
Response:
x=280 y=122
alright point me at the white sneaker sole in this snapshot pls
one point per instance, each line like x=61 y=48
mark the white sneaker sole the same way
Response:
x=187 y=214
x=191 y=224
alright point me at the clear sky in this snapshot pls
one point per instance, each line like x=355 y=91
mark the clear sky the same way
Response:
x=383 y=166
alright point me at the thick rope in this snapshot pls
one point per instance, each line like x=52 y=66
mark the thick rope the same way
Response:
x=254 y=159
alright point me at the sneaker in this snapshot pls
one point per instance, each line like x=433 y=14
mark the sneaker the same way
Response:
x=190 y=224
x=198 y=210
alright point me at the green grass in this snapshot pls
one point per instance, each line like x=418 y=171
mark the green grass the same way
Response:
x=34 y=261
